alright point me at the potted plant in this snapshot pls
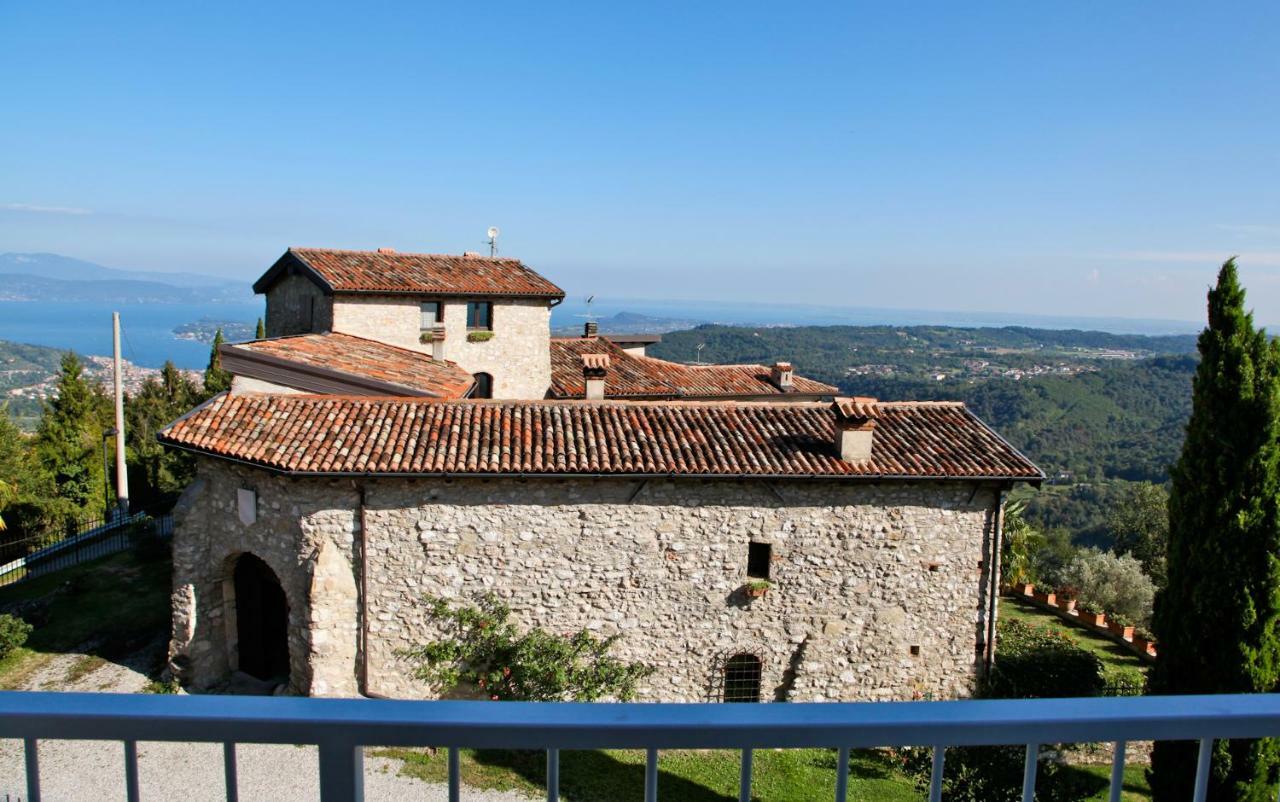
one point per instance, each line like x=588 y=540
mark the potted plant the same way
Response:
x=479 y=336
x=1025 y=588
x=1067 y=598
x=1050 y=599
x=1093 y=619
x=1118 y=626
x=757 y=588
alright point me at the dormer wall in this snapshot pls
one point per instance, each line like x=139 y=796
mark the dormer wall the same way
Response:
x=297 y=305
x=514 y=349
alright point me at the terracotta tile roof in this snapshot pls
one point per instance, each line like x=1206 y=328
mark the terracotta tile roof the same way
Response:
x=344 y=435
x=417 y=273
x=631 y=376
x=399 y=371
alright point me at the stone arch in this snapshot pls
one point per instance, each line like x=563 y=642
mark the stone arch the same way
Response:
x=256 y=614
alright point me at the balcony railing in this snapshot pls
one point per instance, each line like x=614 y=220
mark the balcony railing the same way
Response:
x=341 y=728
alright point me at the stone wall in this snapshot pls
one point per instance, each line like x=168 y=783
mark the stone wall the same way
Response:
x=296 y=305
x=877 y=589
x=518 y=356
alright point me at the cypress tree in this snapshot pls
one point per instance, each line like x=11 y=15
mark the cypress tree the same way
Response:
x=216 y=380
x=260 y=333
x=69 y=441
x=1216 y=620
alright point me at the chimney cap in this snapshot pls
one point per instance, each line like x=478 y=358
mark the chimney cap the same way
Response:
x=857 y=408
x=386 y=250
x=782 y=366
x=470 y=254
x=595 y=361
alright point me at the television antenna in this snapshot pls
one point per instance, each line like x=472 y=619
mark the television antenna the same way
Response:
x=589 y=315
x=493 y=241
x=698 y=358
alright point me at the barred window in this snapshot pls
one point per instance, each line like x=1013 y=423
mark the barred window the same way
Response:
x=742 y=678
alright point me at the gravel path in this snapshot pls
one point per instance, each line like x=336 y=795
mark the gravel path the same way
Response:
x=173 y=772
x=94 y=770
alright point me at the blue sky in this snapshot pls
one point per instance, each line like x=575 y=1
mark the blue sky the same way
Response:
x=1065 y=158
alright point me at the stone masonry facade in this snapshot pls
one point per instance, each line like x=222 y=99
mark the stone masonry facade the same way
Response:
x=878 y=589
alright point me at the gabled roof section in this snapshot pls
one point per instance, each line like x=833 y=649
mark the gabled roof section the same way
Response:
x=342 y=363
x=632 y=376
x=397 y=436
x=390 y=272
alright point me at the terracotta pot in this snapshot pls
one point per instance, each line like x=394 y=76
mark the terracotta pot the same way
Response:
x=1027 y=589
x=1068 y=604
x=1121 y=630
x=1093 y=619
x=756 y=593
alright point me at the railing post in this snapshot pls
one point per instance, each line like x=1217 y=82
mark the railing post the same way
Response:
x=1202 y=769
x=131 y=771
x=341 y=772
x=935 y=776
x=1117 y=771
x=455 y=779
x=553 y=775
x=229 y=778
x=842 y=774
x=31 y=751
x=651 y=776
x=1029 y=773
x=744 y=780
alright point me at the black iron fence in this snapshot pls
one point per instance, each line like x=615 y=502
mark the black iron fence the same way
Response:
x=87 y=541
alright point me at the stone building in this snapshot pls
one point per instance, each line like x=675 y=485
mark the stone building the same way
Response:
x=317 y=524
x=351 y=321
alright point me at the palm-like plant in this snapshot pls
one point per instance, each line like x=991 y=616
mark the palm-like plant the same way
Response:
x=1021 y=542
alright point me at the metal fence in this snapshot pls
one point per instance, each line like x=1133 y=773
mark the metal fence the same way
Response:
x=342 y=728
x=93 y=539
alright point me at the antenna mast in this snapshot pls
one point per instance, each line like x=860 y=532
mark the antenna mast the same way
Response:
x=493 y=241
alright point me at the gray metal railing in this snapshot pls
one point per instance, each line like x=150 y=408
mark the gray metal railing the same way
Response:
x=89 y=542
x=341 y=728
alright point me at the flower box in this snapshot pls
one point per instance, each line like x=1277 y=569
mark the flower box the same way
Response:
x=1050 y=599
x=1122 y=630
x=1093 y=619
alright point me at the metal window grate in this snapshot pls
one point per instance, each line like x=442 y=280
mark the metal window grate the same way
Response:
x=742 y=678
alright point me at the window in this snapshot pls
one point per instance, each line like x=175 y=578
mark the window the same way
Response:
x=484 y=386
x=479 y=315
x=432 y=314
x=758 y=557
x=742 y=678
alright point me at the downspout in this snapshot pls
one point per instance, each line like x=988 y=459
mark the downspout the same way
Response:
x=363 y=606
x=993 y=593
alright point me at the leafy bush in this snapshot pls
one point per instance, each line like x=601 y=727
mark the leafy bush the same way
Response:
x=1114 y=585
x=1041 y=662
x=13 y=633
x=994 y=774
x=479 y=336
x=483 y=653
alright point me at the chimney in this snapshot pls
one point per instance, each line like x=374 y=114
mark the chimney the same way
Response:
x=855 y=427
x=594 y=368
x=781 y=374
x=592 y=329
x=437 y=342
x=386 y=250
x=470 y=254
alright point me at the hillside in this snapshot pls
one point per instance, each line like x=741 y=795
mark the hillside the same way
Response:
x=50 y=277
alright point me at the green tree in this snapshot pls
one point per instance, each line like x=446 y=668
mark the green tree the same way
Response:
x=1216 y=619
x=68 y=445
x=1139 y=524
x=216 y=380
x=260 y=332
x=157 y=474
x=482 y=653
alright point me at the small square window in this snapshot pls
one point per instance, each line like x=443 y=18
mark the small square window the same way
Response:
x=758 y=557
x=479 y=315
x=432 y=314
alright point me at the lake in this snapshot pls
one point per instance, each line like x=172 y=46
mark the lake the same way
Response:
x=146 y=329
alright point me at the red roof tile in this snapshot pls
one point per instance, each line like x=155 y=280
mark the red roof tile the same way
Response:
x=395 y=369
x=416 y=273
x=343 y=435
x=631 y=376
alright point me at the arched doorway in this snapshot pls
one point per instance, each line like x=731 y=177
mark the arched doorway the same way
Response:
x=262 y=620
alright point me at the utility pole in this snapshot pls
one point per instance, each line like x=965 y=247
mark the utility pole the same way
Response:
x=122 y=473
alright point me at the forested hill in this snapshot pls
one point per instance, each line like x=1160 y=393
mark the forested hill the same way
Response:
x=1088 y=404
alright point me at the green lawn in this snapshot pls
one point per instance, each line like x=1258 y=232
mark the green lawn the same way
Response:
x=109 y=608
x=1119 y=663
x=793 y=775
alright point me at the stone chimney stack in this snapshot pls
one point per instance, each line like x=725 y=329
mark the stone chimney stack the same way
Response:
x=591 y=329
x=781 y=374
x=437 y=342
x=855 y=427
x=594 y=369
